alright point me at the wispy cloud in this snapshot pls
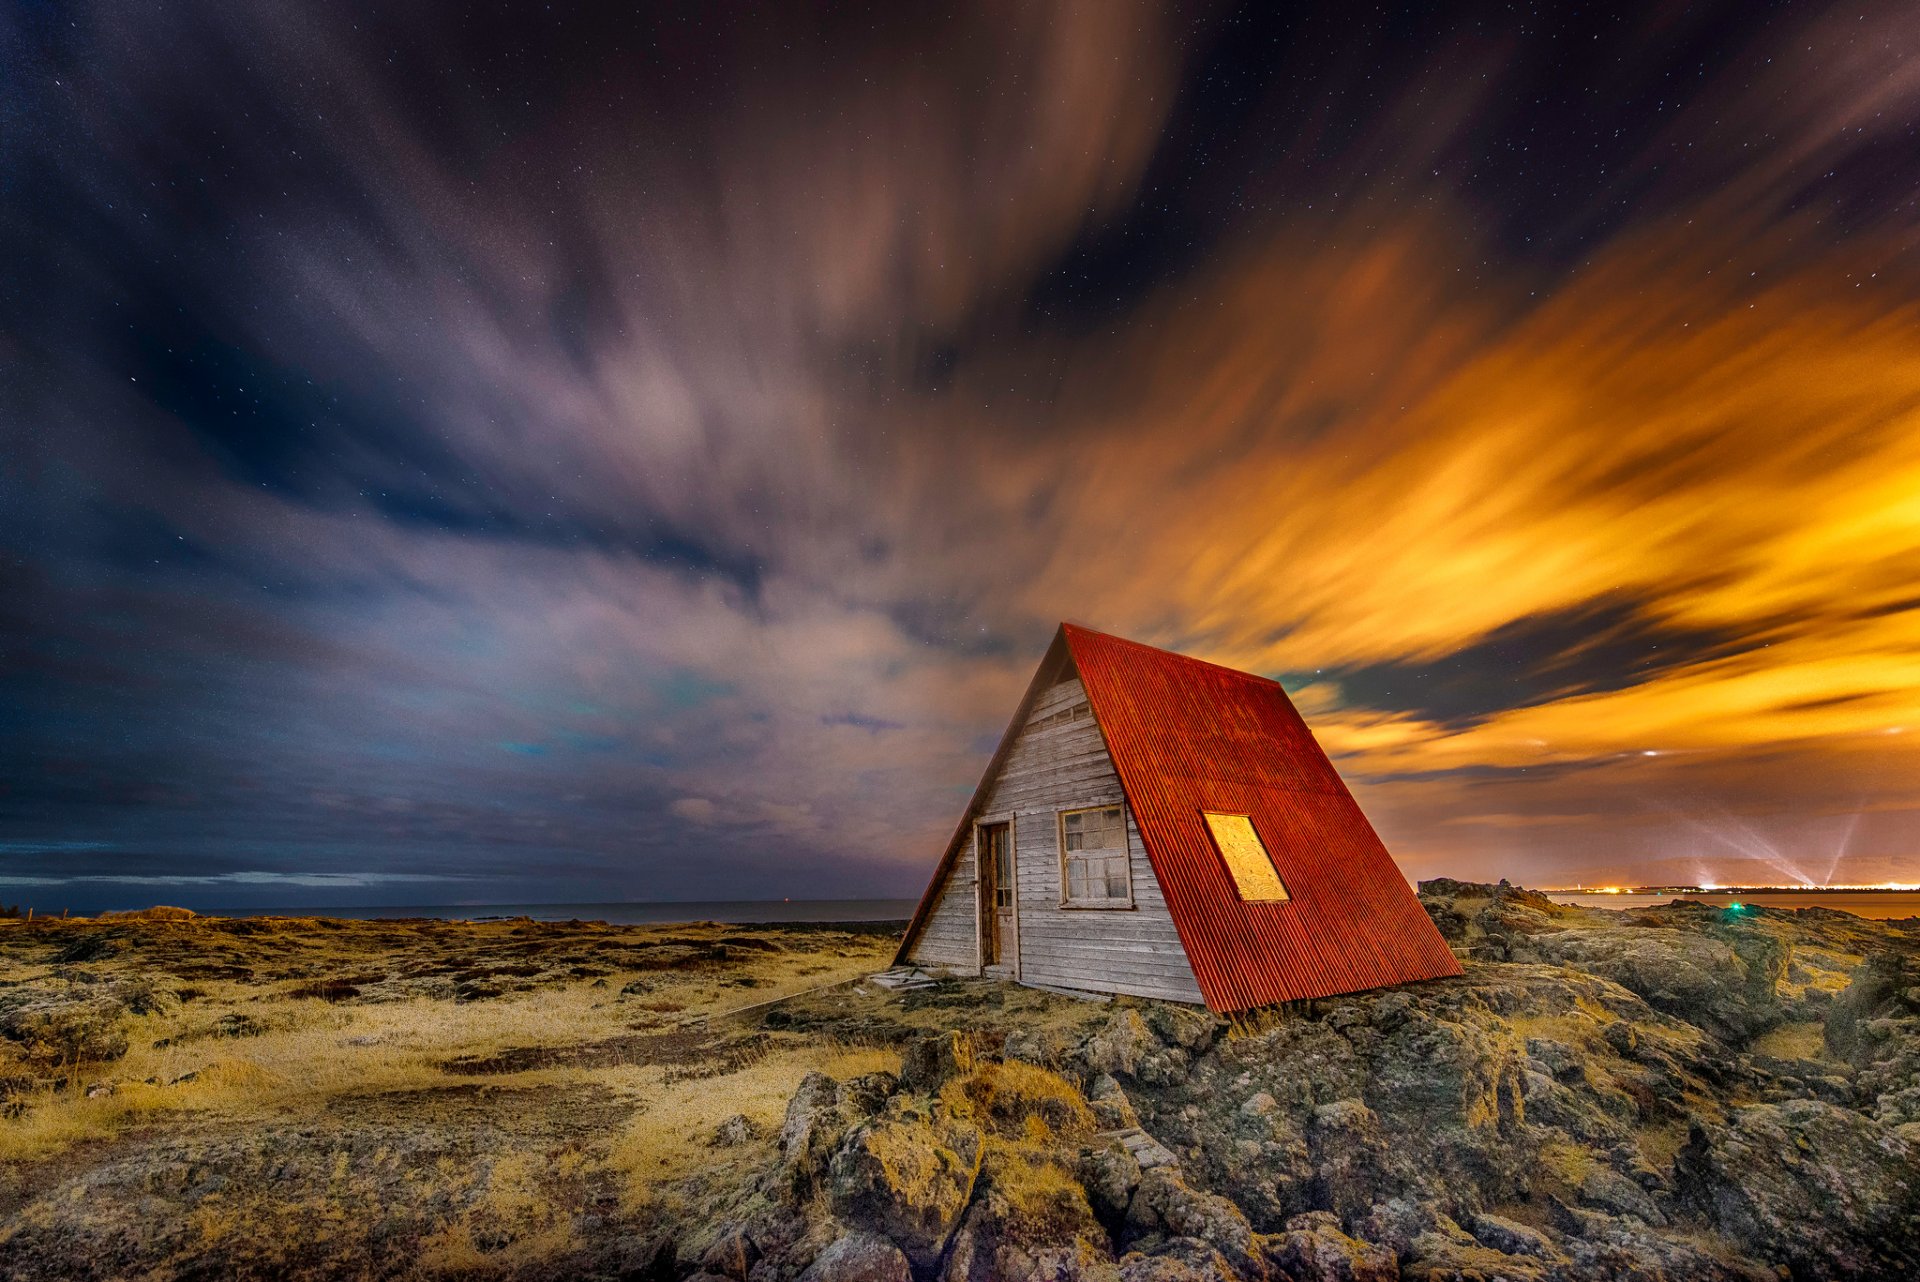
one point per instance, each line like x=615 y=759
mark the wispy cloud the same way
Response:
x=303 y=880
x=597 y=495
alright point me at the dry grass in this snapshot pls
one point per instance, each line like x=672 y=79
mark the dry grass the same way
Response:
x=1561 y=1165
x=1659 y=1142
x=671 y=1134
x=1575 y=1028
x=486 y=1093
x=515 y=1219
x=309 y=1052
x=1793 y=1041
x=1021 y=1101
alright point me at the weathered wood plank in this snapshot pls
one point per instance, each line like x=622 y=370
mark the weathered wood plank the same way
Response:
x=1064 y=765
x=1052 y=767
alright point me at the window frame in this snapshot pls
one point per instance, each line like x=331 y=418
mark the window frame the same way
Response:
x=1226 y=865
x=1067 y=902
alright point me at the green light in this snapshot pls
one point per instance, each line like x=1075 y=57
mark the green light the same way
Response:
x=1734 y=906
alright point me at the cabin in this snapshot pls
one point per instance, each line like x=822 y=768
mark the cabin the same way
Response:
x=1154 y=825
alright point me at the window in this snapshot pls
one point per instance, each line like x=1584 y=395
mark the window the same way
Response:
x=1078 y=712
x=1093 y=857
x=1247 y=859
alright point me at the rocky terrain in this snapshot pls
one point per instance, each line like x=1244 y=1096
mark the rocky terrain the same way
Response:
x=1671 y=1092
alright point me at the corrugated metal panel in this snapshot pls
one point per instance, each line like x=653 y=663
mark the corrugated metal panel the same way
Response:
x=1188 y=737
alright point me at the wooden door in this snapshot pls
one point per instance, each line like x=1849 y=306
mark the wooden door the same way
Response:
x=997 y=924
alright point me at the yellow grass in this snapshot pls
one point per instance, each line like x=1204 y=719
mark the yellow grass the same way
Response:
x=1793 y=1041
x=517 y=1214
x=1661 y=1141
x=313 y=1052
x=670 y=1138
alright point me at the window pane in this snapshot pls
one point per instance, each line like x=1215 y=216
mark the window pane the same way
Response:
x=1246 y=858
x=1094 y=852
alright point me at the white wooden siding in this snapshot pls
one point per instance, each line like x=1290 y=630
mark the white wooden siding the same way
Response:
x=1057 y=765
x=950 y=936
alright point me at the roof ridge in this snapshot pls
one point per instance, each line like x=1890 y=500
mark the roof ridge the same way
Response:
x=1071 y=628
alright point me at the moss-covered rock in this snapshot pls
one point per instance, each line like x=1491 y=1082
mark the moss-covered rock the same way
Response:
x=1825 y=1190
x=909 y=1179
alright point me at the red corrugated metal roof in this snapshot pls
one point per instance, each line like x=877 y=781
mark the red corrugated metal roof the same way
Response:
x=1188 y=737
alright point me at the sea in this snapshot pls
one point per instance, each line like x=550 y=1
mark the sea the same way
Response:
x=1884 y=904
x=732 y=911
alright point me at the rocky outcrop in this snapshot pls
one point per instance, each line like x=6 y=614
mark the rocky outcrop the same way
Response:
x=1874 y=1027
x=908 y=1177
x=63 y=1025
x=1580 y=1104
x=1823 y=1189
x=1314 y=1248
x=859 y=1257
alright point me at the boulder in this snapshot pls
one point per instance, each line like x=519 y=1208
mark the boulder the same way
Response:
x=1109 y=1173
x=1349 y=1156
x=812 y=1123
x=1726 y=987
x=1314 y=1249
x=859 y=1257
x=57 y=1029
x=1190 y=1028
x=1112 y=1110
x=907 y=1179
x=1443 y=1259
x=929 y=1063
x=1181 y=1260
x=734 y=1132
x=1128 y=1048
x=732 y=1254
x=1510 y=1237
x=1043 y=1232
x=1822 y=1189
x=1615 y=1194
x=1163 y=1203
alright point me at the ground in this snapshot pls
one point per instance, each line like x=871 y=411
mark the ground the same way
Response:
x=1674 y=1092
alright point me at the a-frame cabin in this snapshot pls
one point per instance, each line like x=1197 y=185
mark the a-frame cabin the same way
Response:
x=1155 y=825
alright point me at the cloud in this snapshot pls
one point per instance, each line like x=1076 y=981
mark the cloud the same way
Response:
x=538 y=493
x=698 y=809
x=254 y=878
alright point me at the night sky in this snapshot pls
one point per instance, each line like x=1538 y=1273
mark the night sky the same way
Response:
x=515 y=455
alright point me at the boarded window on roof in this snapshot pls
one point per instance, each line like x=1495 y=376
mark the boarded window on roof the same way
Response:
x=1093 y=857
x=1246 y=857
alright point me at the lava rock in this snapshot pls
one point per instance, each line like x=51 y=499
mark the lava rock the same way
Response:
x=910 y=1180
x=1314 y=1249
x=859 y=1257
x=930 y=1063
x=1822 y=1189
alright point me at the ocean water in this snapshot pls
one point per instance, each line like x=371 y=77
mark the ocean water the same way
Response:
x=1861 y=903
x=737 y=911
